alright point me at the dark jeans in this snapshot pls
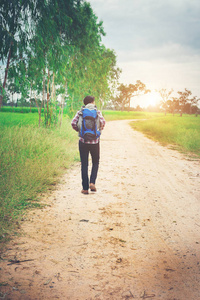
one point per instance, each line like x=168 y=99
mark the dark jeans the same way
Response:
x=84 y=150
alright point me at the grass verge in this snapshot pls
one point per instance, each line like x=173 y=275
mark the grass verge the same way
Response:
x=182 y=132
x=31 y=160
x=111 y=115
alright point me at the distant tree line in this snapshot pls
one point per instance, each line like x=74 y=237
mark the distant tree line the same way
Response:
x=184 y=103
x=52 y=50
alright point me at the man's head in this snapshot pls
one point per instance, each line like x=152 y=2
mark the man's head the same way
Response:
x=88 y=99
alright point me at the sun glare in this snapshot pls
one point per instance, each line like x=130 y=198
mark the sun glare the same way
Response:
x=152 y=98
x=149 y=99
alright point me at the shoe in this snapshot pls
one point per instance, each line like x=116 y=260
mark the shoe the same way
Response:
x=92 y=187
x=85 y=192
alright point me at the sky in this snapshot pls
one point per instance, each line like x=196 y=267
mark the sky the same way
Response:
x=155 y=41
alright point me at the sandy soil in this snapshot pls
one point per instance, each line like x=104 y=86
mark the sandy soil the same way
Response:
x=138 y=237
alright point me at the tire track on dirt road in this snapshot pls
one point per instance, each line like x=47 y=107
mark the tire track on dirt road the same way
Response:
x=138 y=237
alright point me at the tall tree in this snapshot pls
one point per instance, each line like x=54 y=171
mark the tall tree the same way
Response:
x=70 y=50
x=61 y=53
x=14 y=33
x=127 y=92
x=193 y=104
x=174 y=105
x=184 y=98
x=165 y=95
x=95 y=73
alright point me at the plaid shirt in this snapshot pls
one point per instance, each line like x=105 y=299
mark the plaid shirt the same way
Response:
x=75 y=127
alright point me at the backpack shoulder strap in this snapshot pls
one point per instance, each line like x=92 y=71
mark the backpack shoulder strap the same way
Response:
x=82 y=108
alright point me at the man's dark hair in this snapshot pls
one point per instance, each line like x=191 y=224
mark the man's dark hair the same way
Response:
x=88 y=99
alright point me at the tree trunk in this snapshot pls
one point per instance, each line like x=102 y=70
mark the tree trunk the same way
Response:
x=30 y=98
x=48 y=94
x=190 y=108
x=122 y=106
x=129 y=105
x=43 y=93
x=53 y=87
x=6 y=74
x=12 y=102
x=61 y=112
x=72 y=103
x=39 y=111
x=53 y=111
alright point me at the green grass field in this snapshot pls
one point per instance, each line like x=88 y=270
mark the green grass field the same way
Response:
x=180 y=132
x=13 y=119
x=111 y=115
x=19 y=109
x=31 y=160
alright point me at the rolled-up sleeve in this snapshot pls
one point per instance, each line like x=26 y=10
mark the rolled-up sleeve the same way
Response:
x=75 y=121
x=101 y=120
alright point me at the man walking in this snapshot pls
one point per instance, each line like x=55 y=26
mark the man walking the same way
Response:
x=89 y=122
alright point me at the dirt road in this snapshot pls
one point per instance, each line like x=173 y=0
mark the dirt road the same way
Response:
x=138 y=237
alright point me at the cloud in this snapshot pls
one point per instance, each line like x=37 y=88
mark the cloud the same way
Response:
x=156 y=41
x=157 y=74
x=170 y=51
x=148 y=22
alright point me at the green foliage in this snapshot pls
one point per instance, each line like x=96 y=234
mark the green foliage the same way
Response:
x=173 y=130
x=91 y=73
x=15 y=32
x=31 y=159
x=58 y=52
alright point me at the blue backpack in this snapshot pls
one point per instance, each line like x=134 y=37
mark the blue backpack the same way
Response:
x=89 y=124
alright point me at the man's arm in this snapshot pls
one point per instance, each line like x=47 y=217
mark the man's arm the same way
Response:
x=75 y=121
x=101 y=120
